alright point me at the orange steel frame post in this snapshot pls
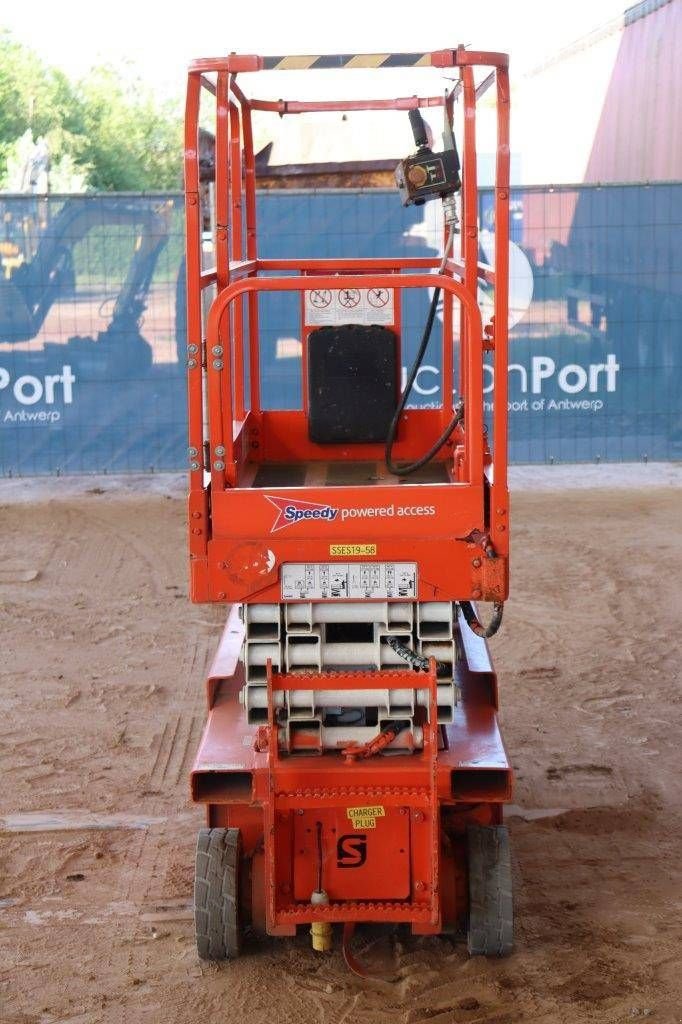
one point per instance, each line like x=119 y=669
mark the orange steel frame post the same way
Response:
x=462 y=775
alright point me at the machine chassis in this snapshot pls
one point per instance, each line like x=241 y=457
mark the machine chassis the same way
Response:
x=423 y=815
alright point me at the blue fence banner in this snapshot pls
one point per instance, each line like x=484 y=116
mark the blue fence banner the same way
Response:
x=92 y=320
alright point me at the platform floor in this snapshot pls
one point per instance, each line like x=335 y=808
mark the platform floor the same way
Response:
x=340 y=474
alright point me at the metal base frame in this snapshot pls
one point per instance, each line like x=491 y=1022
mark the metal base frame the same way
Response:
x=427 y=800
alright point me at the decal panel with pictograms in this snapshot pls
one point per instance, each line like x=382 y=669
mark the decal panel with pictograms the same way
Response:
x=325 y=307
x=328 y=581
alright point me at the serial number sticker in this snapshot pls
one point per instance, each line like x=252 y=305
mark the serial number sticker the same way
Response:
x=349 y=581
x=352 y=549
x=365 y=817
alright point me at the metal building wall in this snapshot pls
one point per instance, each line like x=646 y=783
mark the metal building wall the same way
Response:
x=638 y=137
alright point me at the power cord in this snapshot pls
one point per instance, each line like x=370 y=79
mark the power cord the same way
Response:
x=418 y=662
x=475 y=624
x=411 y=467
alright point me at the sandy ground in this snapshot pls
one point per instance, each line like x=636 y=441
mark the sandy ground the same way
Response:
x=102 y=707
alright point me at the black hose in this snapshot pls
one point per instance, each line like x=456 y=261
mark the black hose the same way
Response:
x=474 y=623
x=411 y=467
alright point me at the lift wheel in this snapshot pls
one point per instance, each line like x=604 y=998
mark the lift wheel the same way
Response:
x=491 y=915
x=216 y=893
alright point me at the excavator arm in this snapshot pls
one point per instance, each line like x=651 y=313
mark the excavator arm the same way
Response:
x=29 y=294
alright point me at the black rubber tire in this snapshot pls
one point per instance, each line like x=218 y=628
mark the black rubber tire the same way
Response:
x=490 y=930
x=216 y=893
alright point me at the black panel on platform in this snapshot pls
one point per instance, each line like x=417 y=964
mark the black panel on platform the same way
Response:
x=352 y=383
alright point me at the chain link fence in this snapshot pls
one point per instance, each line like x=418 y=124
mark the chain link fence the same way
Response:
x=92 y=319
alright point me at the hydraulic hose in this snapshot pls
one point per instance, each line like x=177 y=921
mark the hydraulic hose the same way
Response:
x=411 y=467
x=417 y=661
x=475 y=624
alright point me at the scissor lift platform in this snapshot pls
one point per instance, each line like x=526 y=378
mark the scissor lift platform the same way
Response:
x=368 y=785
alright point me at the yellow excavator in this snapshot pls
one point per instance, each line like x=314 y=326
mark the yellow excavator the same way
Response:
x=33 y=286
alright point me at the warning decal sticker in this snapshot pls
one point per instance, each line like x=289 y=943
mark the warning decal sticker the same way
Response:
x=325 y=307
x=365 y=817
x=326 y=581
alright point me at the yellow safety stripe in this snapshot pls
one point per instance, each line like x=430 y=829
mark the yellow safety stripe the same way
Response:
x=347 y=60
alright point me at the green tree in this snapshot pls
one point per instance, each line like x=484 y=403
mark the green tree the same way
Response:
x=128 y=141
x=36 y=97
x=109 y=126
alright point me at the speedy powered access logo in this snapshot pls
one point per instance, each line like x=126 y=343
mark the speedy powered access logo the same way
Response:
x=290 y=512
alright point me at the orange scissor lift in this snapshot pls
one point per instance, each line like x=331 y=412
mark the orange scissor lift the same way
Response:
x=351 y=767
